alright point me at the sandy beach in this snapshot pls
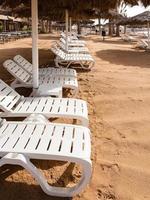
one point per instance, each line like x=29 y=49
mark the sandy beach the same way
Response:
x=118 y=94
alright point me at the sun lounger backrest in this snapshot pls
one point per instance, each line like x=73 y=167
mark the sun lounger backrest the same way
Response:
x=144 y=42
x=18 y=72
x=63 y=35
x=61 y=45
x=8 y=97
x=23 y=63
x=57 y=51
x=62 y=40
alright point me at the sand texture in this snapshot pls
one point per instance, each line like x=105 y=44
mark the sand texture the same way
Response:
x=118 y=95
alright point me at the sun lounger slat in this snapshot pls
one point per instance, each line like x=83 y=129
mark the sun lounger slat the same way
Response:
x=4 y=138
x=17 y=71
x=46 y=138
x=56 y=139
x=14 y=138
x=26 y=134
x=8 y=96
x=68 y=136
x=78 y=147
x=34 y=141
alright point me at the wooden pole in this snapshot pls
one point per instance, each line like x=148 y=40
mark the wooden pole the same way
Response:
x=99 y=25
x=148 y=31
x=66 y=30
x=70 y=19
x=35 y=56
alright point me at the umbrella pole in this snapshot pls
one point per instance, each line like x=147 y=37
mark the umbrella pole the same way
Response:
x=99 y=24
x=70 y=24
x=35 y=56
x=66 y=30
x=148 y=30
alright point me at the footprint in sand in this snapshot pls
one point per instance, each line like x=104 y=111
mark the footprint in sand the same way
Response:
x=105 y=194
x=110 y=167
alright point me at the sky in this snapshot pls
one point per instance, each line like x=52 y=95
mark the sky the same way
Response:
x=131 y=11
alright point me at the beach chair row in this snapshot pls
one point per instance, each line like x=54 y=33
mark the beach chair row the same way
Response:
x=12 y=36
x=141 y=40
x=75 y=55
x=38 y=138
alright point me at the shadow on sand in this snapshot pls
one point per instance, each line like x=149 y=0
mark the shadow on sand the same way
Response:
x=46 y=57
x=48 y=37
x=107 y=40
x=126 y=58
x=18 y=190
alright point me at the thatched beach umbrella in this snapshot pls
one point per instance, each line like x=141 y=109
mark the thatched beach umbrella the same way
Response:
x=143 y=18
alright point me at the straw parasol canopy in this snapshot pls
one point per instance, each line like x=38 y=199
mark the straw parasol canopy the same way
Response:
x=72 y=5
x=141 y=18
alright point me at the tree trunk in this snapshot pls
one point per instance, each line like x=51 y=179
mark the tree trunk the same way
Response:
x=50 y=27
x=113 y=29
x=4 y=26
x=117 y=30
x=78 y=27
x=42 y=24
x=99 y=25
x=46 y=26
x=110 y=29
x=125 y=28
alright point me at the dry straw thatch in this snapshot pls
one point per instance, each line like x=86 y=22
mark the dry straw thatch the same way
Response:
x=79 y=9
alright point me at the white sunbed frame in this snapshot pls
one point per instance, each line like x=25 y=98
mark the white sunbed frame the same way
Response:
x=72 y=44
x=14 y=105
x=72 y=49
x=142 y=43
x=128 y=38
x=22 y=141
x=84 y=60
x=72 y=39
x=44 y=71
x=24 y=79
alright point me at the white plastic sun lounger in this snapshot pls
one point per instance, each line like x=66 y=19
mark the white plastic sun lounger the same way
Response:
x=142 y=43
x=22 y=141
x=14 y=105
x=84 y=60
x=24 y=79
x=128 y=38
x=72 y=44
x=70 y=34
x=44 y=71
x=72 y=39
x=73 y=49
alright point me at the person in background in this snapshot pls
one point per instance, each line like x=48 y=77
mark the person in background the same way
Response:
x=103 y=34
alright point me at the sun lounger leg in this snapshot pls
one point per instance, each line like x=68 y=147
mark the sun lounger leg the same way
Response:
x=56 y=60
x=19 y=159
x=15 y=84
x=90 y=65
